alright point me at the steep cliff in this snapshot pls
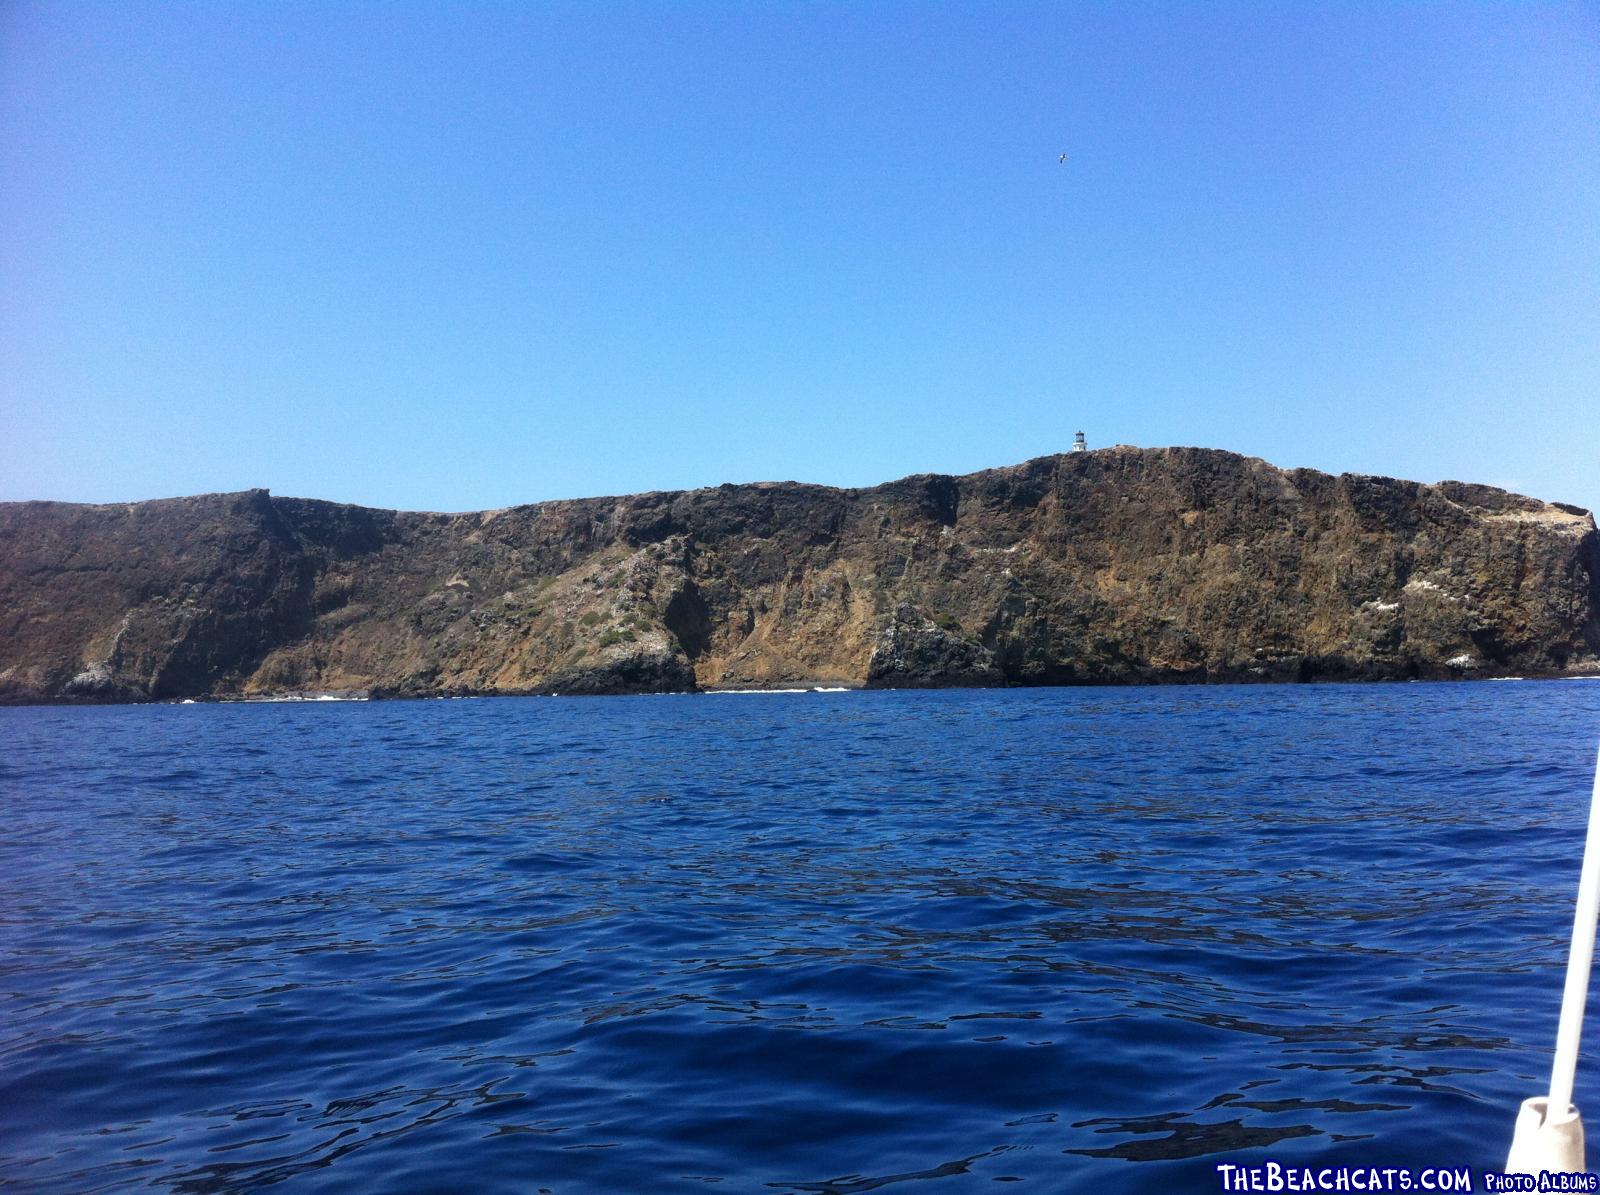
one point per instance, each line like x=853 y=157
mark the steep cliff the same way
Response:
x=1123 y=564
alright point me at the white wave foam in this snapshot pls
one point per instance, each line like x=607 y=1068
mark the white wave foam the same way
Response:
x=719 y=692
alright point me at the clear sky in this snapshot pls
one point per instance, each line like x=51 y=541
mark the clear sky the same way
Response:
x=465 y=255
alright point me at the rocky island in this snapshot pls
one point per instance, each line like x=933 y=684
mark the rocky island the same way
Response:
x=1118 y=565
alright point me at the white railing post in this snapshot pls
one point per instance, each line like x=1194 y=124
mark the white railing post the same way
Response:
x=1549 y=1132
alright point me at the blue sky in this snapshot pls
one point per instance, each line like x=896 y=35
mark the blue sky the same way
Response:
x=459 y=256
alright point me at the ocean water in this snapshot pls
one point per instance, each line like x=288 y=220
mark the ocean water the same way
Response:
x=1069 y=939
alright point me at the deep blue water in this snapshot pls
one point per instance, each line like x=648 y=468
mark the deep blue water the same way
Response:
x=1074 y=938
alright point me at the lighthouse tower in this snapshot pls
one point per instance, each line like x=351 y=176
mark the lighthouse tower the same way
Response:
x=1078 y=444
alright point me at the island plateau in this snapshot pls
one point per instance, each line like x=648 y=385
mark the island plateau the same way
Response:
x=1117 y=565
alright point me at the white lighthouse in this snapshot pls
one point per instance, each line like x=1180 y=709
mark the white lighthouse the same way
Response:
x=1079 y=444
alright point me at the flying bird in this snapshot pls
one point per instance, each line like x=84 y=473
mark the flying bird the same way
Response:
x=1063 y=159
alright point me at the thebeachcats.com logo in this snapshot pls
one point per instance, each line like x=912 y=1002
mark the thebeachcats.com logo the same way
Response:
x=1275 y=1176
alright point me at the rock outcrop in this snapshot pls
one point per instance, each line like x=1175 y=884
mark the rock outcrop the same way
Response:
x=1125 y=564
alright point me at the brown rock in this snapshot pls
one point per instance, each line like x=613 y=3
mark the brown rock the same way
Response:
x=1119 y=565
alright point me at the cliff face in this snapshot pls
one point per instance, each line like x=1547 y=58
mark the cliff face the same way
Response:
x=1118 y=565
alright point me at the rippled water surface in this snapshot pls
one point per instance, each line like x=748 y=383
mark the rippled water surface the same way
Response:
x=1077 y=939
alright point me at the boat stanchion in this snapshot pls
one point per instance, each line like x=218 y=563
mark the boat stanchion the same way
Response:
x=1549 y=1131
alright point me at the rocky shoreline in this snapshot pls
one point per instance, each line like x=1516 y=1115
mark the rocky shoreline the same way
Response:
x=1123 y=565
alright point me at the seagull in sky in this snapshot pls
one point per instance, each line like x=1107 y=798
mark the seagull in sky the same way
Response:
x=1063 y=159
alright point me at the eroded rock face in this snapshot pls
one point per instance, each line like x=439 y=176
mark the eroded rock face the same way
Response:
x=913 y=651
x=1123 y=564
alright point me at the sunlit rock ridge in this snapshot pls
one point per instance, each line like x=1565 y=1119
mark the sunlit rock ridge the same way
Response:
x=1118 y=565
